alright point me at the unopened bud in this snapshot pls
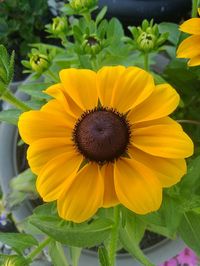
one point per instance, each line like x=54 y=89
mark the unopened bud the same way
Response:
x=91 y=45
x=59 y=25
x=39 y=62
x=78 y=5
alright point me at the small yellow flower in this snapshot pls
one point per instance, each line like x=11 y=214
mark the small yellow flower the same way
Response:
x=190 y=47
x=105 y=139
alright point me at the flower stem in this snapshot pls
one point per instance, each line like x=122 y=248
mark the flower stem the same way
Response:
x=10 y=98
x=146 y=61
x=114 y=236
x=87 y=17
x=195 y=4
x=194 y=122
x=39 y=249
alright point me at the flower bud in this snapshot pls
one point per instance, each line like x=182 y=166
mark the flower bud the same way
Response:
x=147 y=37
x=146 y=41
x=91 y=45
x=39 y=62
x=78 y=5
x=59 y=25
x=15 y=261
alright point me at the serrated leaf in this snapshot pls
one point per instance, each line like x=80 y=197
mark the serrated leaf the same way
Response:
x=189 y=230
x=18 y=241
x=80 y=235
x=10 y=116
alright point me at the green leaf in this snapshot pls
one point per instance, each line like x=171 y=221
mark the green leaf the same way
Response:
x=115 y=30
x=131 y=244
x=22 y=187
x=101 y=15
x=189 y=230
x=10 y=116
x=136 y=225
x=172 y=29
x=190 y=182
x=18 y=241
x=171 y=213
x=80 y=235
x=103 y=256
x=36 y=89
x=57 y=254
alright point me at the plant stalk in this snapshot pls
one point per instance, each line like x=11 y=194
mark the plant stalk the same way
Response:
x=114 y=236
x=146 y=61
x=39 y=249
x=195 y=4
x=10 y=98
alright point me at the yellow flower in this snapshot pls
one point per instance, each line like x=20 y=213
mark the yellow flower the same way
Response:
x=190 y=47
x=105 y=139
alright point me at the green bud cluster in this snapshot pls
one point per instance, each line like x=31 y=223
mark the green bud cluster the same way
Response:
x=91 y=44
x=83 y=5
x=147 y=37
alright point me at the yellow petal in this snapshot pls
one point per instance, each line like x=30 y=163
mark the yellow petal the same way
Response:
x=160 y=121
x=191 y=26
x=42 y=151
x=110 y=198
x=58 y=92
x=195 y=61
x=54 y=107
x=137 y=187
x=124 y=89
x=34 y=125
x=163 y=140
x=108 y=78
x=160 y=103
x=135 y=86
x=80 y=85
x=83 y=196
x=168 y=171
x=190 y=47
x=56 y=175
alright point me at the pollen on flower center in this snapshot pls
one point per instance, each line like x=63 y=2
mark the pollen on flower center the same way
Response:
x=102 y=135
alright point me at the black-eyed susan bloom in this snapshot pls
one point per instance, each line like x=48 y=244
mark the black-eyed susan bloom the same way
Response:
x=105 y=139
x=190 y=47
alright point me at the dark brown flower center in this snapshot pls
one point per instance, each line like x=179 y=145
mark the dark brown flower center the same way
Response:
x=102 y=135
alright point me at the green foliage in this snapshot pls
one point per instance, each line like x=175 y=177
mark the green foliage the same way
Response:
x=57 y=254
x=22 y=187
x=18 y=241
x=103 y=256
x=21 y=23
x=78 y=235
x=6 y=69
x=130 y=241
x=10 y=116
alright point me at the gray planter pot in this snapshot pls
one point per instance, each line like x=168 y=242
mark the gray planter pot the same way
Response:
x=8 y=169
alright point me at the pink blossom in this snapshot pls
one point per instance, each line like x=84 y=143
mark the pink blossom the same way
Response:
x=171 y=262
x=187 y=257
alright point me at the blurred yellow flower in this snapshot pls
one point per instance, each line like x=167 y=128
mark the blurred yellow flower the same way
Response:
x=105 y=139
x=190 y=47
